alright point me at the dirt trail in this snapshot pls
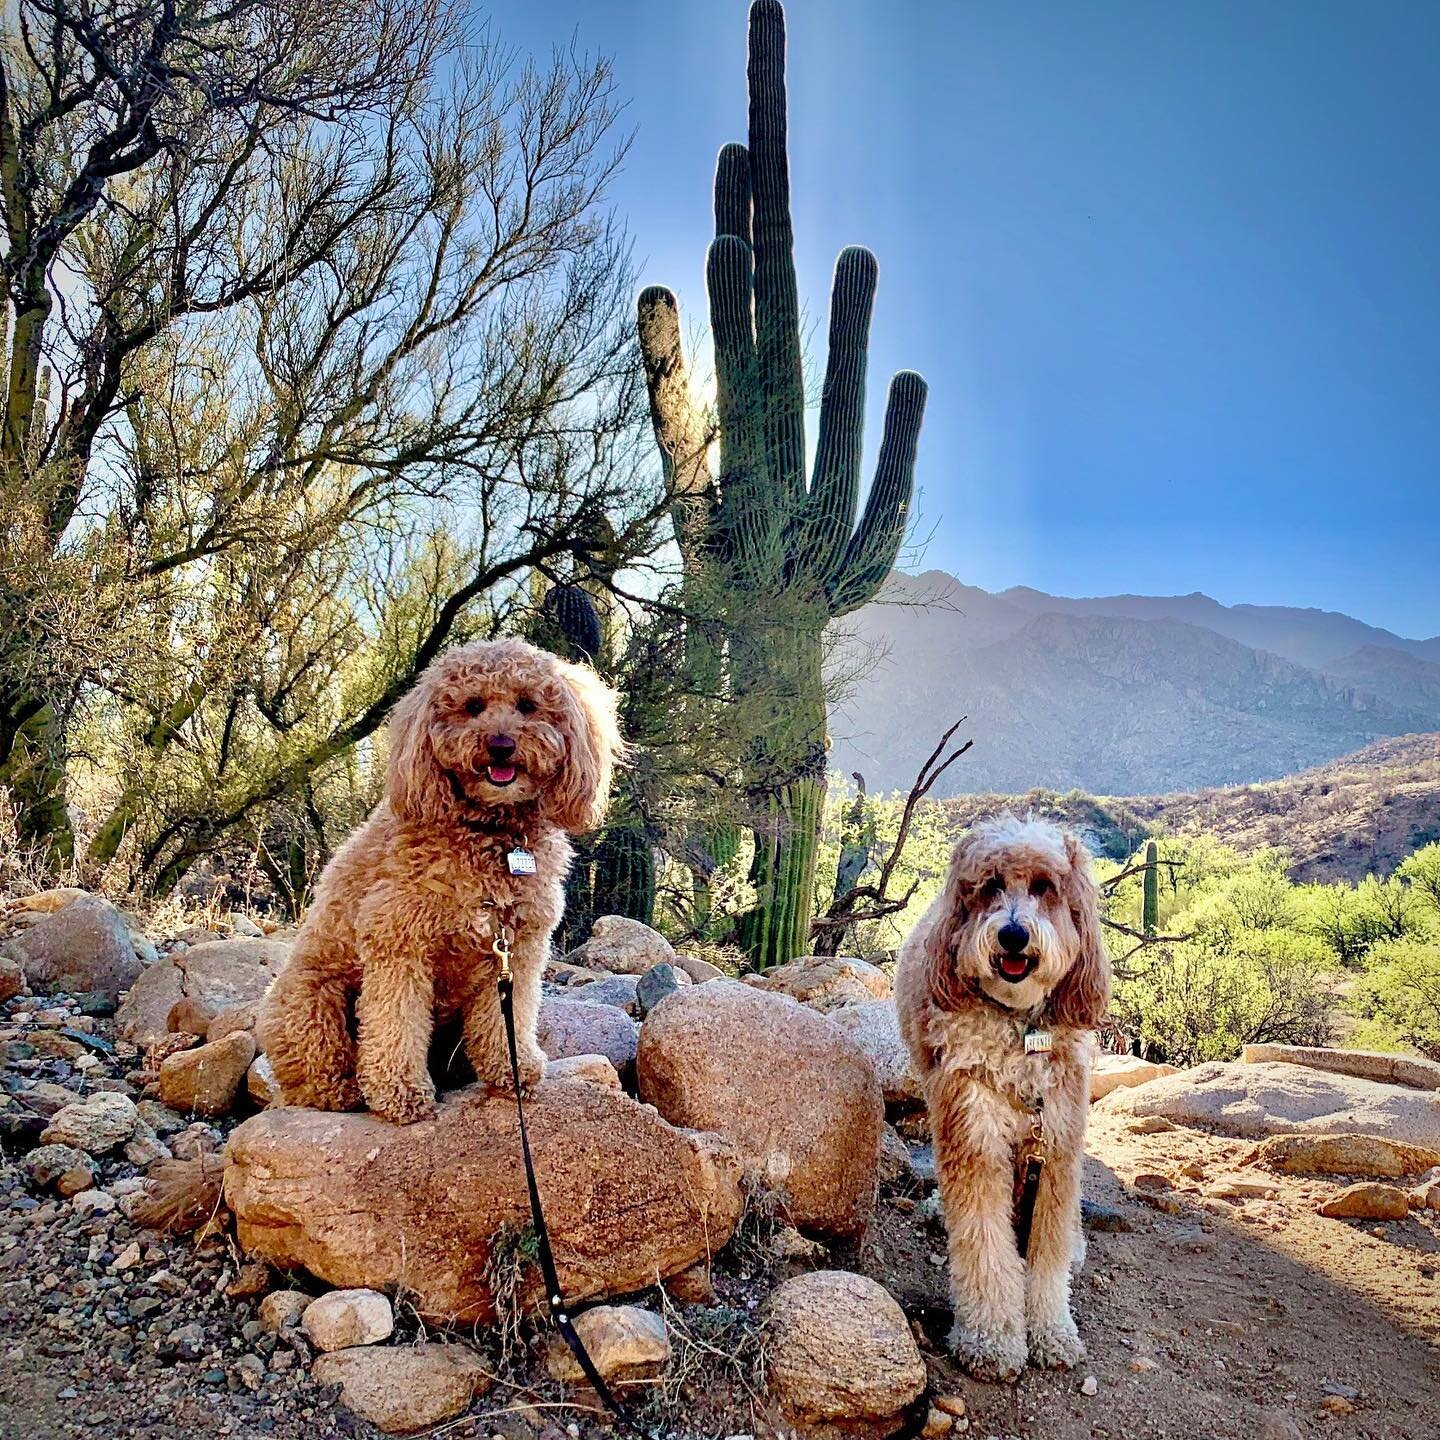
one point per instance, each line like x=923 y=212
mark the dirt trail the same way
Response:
x=1226 y=1319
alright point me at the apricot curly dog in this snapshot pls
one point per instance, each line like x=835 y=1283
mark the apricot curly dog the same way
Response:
x=1011 y=948
x=498 y=751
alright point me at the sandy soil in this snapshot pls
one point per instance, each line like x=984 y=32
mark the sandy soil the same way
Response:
x=1224 y=1319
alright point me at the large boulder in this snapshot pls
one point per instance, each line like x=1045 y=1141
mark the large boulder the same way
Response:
x=401 y=1389
x=1368 y=1200
x=1119 y=1072
x=1365 y=1064
x=840 y=1358
x=825 y=982
x=1372 y=1156
x=697 y=969
x=431 y=1206
x=875 y=1028
x=623 y=947
x=1253 y=1101
x=218 y=974
x=83 y=947
x=796 y=1094
x=572 y=1027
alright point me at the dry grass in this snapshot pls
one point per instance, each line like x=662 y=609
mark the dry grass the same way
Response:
x=509 y=1274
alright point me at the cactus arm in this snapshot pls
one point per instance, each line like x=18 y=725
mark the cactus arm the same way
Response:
x=876 y=542
x=732 y=192
x=680 y=429
x=835 y=486
x=777 y=303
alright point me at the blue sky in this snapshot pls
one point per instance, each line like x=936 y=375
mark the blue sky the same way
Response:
x=1171 y=269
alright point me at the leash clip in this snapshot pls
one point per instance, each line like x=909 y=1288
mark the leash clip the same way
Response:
x=501 y=946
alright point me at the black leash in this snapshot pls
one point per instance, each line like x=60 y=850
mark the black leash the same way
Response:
x=555 y=1297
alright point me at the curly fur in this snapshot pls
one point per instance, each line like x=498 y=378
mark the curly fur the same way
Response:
x=400 y=936
x=964 y=1025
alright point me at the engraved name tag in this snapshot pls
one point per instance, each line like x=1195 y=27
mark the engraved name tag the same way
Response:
x=521 y=861
x=1037 y=1042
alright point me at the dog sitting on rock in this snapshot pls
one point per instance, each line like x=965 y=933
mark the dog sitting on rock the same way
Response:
x=498 y=754
x=997 y=989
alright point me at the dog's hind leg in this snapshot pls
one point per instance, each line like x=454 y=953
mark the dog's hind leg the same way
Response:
x=972 y=1128
x=304 y=1030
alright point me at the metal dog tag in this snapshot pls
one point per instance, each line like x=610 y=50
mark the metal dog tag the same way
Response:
x=521 y=861
x=1037 y=1042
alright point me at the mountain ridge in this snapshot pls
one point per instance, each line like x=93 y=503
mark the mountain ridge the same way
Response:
x=1119 y=695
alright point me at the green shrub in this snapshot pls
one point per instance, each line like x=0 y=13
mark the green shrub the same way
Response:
x=1398 y=997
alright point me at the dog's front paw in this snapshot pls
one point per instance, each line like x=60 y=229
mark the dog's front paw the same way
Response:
x=401 y=1104
x=988 y=1355
x=1056 y=1344
x=532 y=1072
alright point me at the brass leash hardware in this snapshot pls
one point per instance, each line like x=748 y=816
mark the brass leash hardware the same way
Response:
x=501 y=946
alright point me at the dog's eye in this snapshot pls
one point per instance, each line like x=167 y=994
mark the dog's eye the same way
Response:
x=994 y=886
x=474 y=705
x=1040 y=887
x=525 y=705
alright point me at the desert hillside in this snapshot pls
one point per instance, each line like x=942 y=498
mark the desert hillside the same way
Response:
x=1124 y=696
x=1358 y=815
x=1354 y=816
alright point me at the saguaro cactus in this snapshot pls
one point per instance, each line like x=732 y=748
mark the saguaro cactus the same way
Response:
x=784 y=555
x=1150 y=916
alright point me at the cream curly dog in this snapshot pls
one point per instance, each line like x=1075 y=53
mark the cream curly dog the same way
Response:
x=1012 y=945
x=500 y=748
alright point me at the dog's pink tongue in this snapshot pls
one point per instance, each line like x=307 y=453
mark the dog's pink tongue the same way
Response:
x=502 y=774
x=1013 y=968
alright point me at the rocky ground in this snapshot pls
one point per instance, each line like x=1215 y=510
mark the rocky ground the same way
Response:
x=1217 y=1300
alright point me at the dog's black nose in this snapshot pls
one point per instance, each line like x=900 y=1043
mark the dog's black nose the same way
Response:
x=1013 y=937
x=502 y=747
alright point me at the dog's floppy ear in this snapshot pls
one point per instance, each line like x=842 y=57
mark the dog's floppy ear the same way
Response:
x=577 y=797
x=1082 y=998
x=942 y=977
x=414 y=782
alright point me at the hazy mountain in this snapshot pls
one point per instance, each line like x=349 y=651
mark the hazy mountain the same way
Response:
x=1399 y=676
x=1126 y=700
x=1308 y=637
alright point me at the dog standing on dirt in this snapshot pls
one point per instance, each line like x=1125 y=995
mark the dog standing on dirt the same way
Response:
x=997 y=989
x=497 y=755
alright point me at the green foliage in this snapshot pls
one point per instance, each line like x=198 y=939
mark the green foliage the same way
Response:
x=1397 y=998
x=1245 y=970
x=625 y=873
